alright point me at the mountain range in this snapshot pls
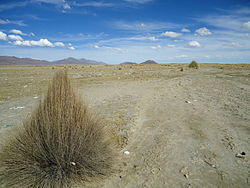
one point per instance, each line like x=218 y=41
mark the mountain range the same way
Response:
x=12 y=60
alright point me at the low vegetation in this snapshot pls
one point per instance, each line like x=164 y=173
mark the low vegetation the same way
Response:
x=61 y=144
x=193 y=65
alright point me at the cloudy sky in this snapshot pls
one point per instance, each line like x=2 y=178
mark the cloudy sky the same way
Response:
x=114 y=31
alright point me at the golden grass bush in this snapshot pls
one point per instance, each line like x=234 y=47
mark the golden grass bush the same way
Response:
x=60 y=145
x=193 y=65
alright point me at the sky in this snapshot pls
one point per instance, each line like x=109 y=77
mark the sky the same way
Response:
x=116 y=31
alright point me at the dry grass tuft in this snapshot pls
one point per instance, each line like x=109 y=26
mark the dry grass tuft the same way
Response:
x=193 y=65
x=61 y=144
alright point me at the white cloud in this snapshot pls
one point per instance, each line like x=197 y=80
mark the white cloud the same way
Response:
x=194 y=44
x=171 y=34
x=20 y=23
x=234 y=45
x=152 y=38
x=71 y=47
x=66 y=6
x=3 y=36
x=144 y=27
x=142 y=38
x=60 y=44
x=185 y=30
x=156 y=47
x=18 y=32
x=138 y=1
x=108 y=48
x=181 y=56
x=203 y=31
x=15 y=37
x=93 y=4
x=246 y=25
x=171 y=45
x=7 y=6
x=41 y=42
x=231 y=22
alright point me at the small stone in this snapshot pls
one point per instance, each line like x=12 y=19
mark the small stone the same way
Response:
x=73 y=163
x=185 y=172
x=187 y=102
x=241 y=155
x=126 y=152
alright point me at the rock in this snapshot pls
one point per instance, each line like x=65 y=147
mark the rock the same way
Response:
x=126 y=152
x=185 y=172
x=241 y=155
x=187 y=102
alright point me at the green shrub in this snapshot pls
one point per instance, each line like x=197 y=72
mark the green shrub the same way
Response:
x=193 y=65
x=61 y=144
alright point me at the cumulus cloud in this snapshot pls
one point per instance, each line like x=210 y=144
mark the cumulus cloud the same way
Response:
x=203 y=31
x=15 y=37
x=18 y=32
x=194 y=44
x=171 y=34
x=71 y=48
x=41 y=42
x=185 y=30
x=66 y=6
x=60 y=44
x=3 y=36
x=246 y=25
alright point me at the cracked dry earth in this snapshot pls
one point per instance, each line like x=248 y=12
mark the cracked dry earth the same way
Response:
x=189 y=129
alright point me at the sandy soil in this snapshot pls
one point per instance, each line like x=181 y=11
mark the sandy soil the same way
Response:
x=182 y=129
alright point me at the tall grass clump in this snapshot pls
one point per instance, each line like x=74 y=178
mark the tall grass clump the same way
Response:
x=193 y=65
x=61 y=144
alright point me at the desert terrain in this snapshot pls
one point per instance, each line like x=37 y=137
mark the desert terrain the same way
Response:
x=172 y=128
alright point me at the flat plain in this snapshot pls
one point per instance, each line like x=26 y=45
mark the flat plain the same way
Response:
x=172 y=128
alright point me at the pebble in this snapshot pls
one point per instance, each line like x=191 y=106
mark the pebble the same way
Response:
x=18 y=107
x=188 y=102
x=126 y=152
x=241 y=155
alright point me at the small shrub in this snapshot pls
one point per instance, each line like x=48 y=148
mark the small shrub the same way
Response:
x=193 y=65
x=61 y=144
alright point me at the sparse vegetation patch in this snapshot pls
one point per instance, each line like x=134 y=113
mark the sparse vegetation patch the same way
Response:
x=61 y=144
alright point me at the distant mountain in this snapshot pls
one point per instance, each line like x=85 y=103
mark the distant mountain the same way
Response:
x=11 y=60
x=128 y=63
x=82 y=61
x=149 y=62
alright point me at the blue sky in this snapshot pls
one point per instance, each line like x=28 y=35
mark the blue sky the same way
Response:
x=114 y=31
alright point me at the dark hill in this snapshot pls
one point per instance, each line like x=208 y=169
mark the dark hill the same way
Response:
x=149 y=62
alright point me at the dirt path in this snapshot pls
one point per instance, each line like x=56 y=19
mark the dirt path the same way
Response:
x=186 y=134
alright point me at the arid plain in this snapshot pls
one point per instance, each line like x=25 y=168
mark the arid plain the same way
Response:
x=172 y=128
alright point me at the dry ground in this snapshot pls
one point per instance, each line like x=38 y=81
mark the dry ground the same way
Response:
x=182 y=129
